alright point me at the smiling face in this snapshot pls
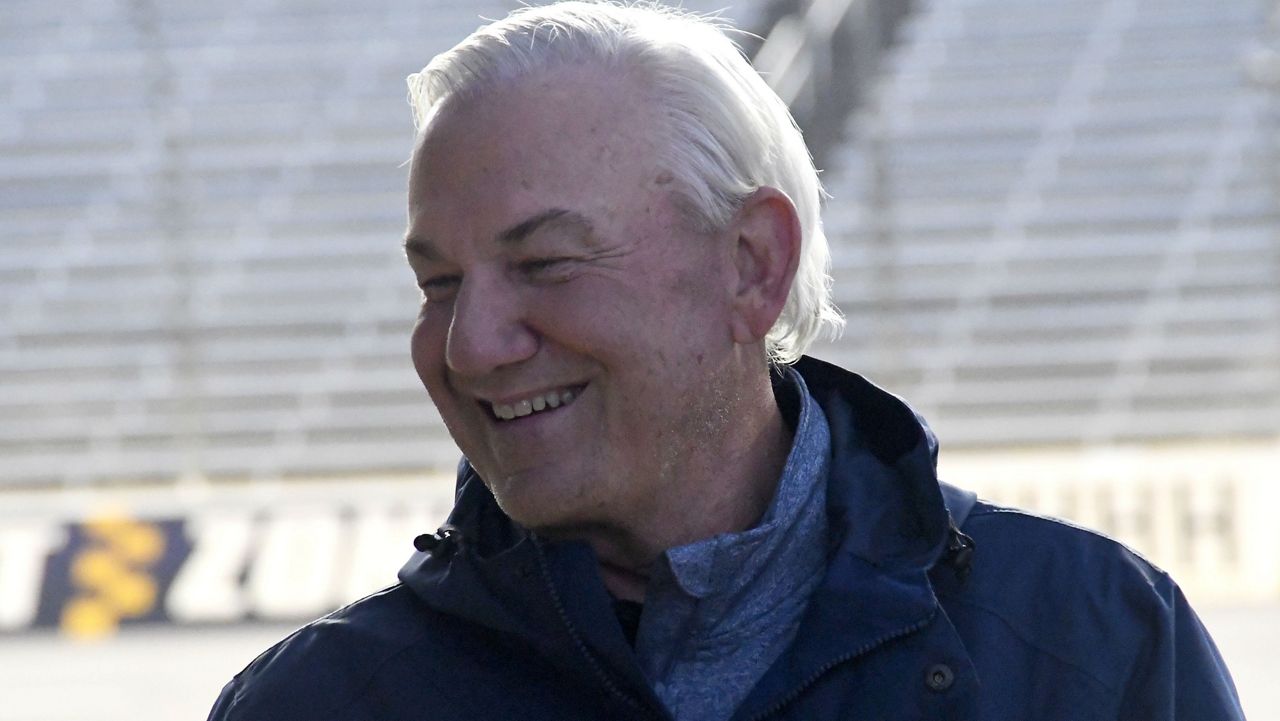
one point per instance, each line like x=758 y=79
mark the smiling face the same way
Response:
x=575 y=331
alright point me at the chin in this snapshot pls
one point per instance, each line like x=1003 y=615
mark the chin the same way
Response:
x=558 y=523
x=536 y=503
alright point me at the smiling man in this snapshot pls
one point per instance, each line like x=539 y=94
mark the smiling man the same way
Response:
x=598 y=357
x=664 y=511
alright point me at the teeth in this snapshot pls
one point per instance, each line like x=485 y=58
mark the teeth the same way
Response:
x=552 y=399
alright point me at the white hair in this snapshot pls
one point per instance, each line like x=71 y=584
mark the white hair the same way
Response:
x=728 y=133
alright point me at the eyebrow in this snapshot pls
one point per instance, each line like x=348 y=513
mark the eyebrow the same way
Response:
x=420 y=247
x=555 y=216
x=514 y=235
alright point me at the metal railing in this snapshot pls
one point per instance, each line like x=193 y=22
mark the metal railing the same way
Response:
x=820 y=56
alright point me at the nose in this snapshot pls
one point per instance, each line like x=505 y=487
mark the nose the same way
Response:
x=489 y=328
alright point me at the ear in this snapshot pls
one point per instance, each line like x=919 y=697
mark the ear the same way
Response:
x=766 y=255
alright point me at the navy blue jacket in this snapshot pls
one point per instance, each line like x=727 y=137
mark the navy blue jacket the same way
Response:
x=1017 y=618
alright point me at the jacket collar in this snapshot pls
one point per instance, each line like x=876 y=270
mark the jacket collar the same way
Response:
x=883 y=497
x=498 y=575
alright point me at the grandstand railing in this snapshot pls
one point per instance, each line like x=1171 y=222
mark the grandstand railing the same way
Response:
x=821 y=55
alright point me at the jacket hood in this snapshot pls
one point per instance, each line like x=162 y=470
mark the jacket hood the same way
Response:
x=883 y=494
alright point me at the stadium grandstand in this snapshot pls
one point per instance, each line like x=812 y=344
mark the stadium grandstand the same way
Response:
x=1058 y=223
x=1054 y=223
x=1055 y=230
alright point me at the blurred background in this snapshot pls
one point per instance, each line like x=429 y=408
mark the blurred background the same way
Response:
x=1056 y=231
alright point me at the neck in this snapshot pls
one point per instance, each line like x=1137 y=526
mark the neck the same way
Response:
x=720 y=488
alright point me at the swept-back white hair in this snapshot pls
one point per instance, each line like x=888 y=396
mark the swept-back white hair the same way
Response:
x=727 y=132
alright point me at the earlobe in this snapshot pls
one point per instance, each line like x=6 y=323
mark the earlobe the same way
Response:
x=767 y=253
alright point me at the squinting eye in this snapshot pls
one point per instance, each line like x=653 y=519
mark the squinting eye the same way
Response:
x=544 y=267
x=439 y=288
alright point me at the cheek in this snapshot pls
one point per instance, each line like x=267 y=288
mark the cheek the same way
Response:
x=426 y=347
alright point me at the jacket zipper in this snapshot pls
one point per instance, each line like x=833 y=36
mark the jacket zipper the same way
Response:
x=592 y=661
x=804 y=686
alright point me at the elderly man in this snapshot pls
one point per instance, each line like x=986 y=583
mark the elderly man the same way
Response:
x=664 y=511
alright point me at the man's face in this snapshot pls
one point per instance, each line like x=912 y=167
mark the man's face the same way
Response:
x=573 y=322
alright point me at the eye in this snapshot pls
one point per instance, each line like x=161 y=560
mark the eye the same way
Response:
x=439 y=288
x=548 y=269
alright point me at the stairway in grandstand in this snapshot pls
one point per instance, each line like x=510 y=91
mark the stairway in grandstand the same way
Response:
x=1057 y=222
x=201 y=206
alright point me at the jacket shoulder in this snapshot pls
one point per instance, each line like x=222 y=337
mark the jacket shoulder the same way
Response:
x=1045 y=591
x=1068 y=591
x=322 y=667
x=1060 y=556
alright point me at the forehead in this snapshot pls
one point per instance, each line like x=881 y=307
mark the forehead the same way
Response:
x=575 y=138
